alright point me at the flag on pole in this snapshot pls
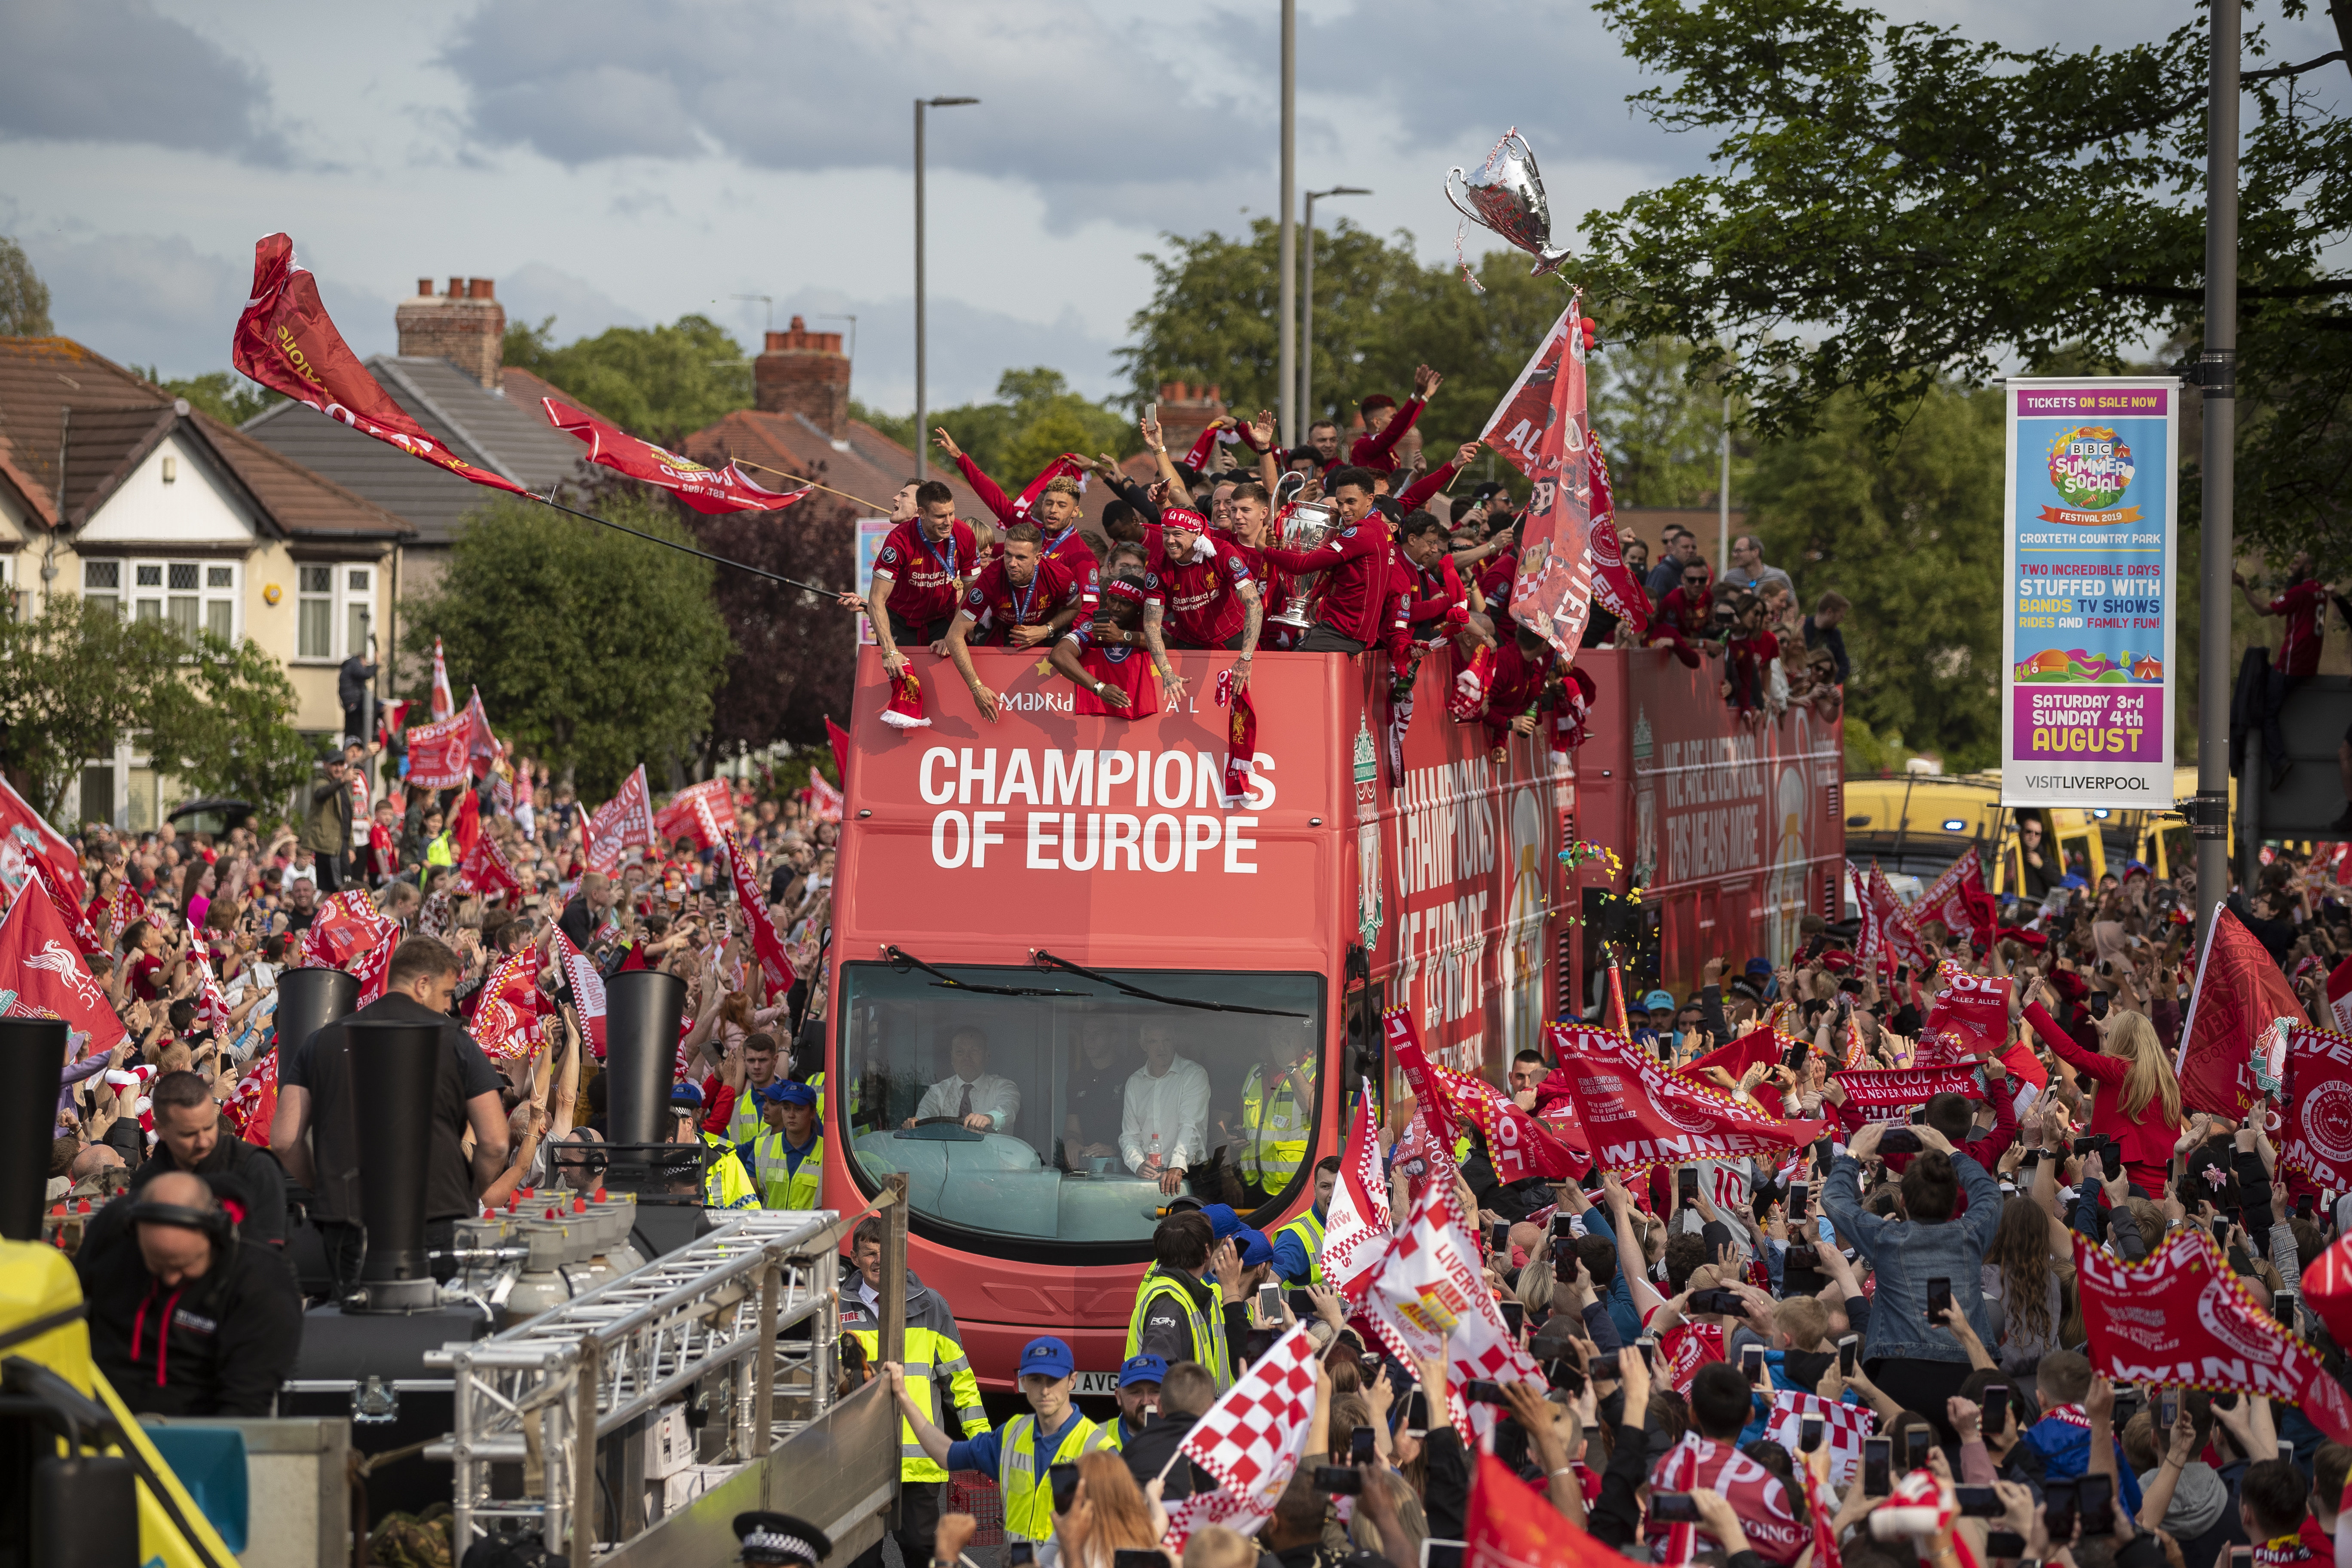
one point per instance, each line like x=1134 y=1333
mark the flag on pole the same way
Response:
x=69 y=910
x=444 y=702
x=703 y=488
x=1251 y=1440
x=623 y=822
x=1356 y=1226
x=766 y=943
x=285 y=340
x=41 y=963
x=27 y=838
x=696 y=809
x=587 y=990
x=2240 y=1000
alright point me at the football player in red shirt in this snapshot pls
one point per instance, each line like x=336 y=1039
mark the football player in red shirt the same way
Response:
x=1059 y=508
x=1385 y=424
x=1111 y=671
x=1026 y=600
x=1355 y=559
x=933 y=553
x=1514 y=686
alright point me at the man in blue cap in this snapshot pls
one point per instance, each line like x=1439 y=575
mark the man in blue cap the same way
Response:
x=788 y=1159
x=1139 y=1377
x=1299 y=1245
x=1020 y=1452
x=1656 y=1018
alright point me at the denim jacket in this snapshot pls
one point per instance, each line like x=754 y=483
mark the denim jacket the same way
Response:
x=1906 y=1254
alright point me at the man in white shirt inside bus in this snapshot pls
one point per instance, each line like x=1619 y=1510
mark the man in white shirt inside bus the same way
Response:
x=1163 y=1129
x=972 y=1095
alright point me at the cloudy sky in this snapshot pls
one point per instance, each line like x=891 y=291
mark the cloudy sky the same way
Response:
x=628 y=161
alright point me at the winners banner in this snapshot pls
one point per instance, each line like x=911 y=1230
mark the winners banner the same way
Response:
x=2088 y=537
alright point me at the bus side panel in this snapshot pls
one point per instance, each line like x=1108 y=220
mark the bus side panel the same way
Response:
x=1738 y=831
x=1465 y=856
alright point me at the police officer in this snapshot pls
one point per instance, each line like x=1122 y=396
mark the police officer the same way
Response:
x=1180 y=1307
x=1139 y=1377
x=788 y=1159
x=726 y=1182
x=1277 y=1118
x=779 y=1540
x=1025 y=1447
x=1299 y=1245
x=934 y=1352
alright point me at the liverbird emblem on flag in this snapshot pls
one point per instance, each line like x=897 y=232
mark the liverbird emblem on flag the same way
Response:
x=64 y=963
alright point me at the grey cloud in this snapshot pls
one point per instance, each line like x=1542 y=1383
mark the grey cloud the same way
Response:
x=1070 y=102
x=115 y=70
x=535 y=291
x=968 y=347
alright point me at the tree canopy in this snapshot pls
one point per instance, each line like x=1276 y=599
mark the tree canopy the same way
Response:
x=1034 y=419
x=225 y=394
x=1892 y=205
x=23 y=298
x=592 y=650
x=660 y=382
x=78 y=677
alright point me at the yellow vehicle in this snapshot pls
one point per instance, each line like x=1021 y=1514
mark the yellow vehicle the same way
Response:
x=1921 y=822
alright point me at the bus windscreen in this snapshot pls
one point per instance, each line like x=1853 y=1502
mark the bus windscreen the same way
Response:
x=1072 y=1119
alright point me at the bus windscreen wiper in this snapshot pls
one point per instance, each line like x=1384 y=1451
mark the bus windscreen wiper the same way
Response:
x=901 y=960
x=1047 y=961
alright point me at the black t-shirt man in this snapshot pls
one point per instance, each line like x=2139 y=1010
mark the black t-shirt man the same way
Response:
x=464 y=1073
x=1095 y=1100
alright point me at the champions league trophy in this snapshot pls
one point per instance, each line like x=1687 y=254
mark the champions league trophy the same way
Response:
x=1506 y=196
x=1303 y=527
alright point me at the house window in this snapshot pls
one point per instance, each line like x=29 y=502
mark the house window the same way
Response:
x=316 y=635
x=10 y=595
x=192 y=595
x=359 y=608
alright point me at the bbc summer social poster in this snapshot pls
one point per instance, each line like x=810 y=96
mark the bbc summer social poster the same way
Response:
x=2086 y=689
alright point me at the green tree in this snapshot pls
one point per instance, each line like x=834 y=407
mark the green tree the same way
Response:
x=594 y=650
x=23 y=298
x=1908 y=528
x=1034 y=419
x=1377 y=313
x=1930 y=206
x=225 y=396
x=1661 y=430
x=660 y=382
x=77 y=678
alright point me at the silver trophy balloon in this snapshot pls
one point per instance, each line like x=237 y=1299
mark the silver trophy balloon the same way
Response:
x=1506 y=195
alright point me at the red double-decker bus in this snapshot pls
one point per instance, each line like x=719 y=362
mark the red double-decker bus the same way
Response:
x=1062 y=912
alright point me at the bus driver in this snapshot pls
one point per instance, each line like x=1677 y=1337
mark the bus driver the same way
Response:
x=981 y=1099
x=1163 y=1127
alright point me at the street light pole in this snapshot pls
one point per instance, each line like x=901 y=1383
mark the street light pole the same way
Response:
x=2218 y=375
x=1286 y=375
x=1307 y=307
x=922 y=467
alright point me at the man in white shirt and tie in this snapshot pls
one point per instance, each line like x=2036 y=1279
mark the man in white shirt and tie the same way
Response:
x=1163 y=1129
x=979 y=1099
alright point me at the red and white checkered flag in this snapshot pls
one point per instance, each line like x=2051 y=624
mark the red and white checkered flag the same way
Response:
x=1843 y=1427
x=1251 y=1441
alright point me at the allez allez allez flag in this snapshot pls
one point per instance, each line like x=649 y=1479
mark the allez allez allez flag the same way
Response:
x=1251 y=1440
x=285 y=341
x=2181 y=1317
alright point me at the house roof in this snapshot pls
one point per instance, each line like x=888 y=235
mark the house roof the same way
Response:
x=504 y=434
x=74 y=424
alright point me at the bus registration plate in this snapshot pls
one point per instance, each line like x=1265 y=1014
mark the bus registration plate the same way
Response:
x=1097 y=1383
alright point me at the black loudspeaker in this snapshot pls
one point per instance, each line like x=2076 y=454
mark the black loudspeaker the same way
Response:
x=308 y=1000
x=642 y=1011
x=393 y=1067
x=32 y=1057
x=85 y=1512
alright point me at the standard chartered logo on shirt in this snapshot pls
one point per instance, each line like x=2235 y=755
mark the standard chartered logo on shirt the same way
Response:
x=1087 y=810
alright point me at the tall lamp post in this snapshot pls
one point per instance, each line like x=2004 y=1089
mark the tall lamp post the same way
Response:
x=923 y=467
x=2217 y=374
x=1307 y=329
x=1286 y=368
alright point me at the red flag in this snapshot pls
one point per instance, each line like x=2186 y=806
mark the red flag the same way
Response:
x=1959 y=900
x=392 y=717
x=69 y=909
x=2328 y=1289
x=623 y=822
x=1899 y=1089
x=505 y=1022
x=482 y=748
x=1612 y=583
x=2316 y=1137
x=1902 y=928
x=1512 y=1525
x=211 y=1007
x=1240 y=735
x=2339 y=994
x=1973 y=1009
x=839 y=740
x=254 y=1105
x=348 y=933
x=825 y=800
x=437 y=753
x=587 y=990
x=1519 y=1144
x=1433 y=1134
x=704 y=490
x=484 y=867
x=444 y=702
x=2239 y=996
x=1356 y=1226
x=765 y=942
x=696 y=809
x=2181 y=1317
x=1735 y=1056
x=285 y=342
x=1069 y=465
x=42 y=964
x=25 y=838
x=466 y=826
x=1636 y=1114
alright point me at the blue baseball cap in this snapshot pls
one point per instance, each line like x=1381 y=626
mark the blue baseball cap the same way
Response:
x=1222 y=1219
x=1142 y=1368
x=685 y=1094
x=788 y=1092
x=1760 y=967
x=1047 y=1356
x=1255 y=1247
x=1659 y=1002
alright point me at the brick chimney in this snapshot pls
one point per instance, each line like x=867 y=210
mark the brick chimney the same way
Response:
x=466 y=326
x=1185 y=411
x=804 y=372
